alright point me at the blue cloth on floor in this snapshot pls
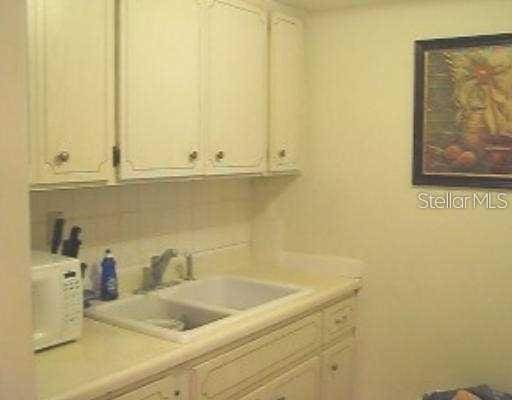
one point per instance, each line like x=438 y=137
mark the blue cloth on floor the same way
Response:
x=484 y=392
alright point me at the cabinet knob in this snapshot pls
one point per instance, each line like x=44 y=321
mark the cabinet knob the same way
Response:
x=177 y=393
x=341 y=320
x=63 y=157
x=220 y=155
x=282 y=153
x=194 y=155
x=335 y=367
x=282 y=398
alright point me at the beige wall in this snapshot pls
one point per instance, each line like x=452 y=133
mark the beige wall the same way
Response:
x=16 y=370
x=437 y=307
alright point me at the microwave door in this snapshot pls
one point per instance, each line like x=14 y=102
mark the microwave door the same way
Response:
x=47 y=311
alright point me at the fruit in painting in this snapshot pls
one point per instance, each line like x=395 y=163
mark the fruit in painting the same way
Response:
x=453 y=152
x=466 y=160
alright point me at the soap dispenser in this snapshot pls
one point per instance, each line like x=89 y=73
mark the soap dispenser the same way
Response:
x=109 y=285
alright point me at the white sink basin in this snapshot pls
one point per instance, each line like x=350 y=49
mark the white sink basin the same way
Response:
x=228 y=292
x=190 y=310
x=155 y=316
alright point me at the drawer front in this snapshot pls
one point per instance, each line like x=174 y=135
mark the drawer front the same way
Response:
x=338 y=318
x=173 y=387
x=236 y=370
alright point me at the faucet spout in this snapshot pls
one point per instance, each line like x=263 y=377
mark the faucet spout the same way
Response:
x=159 y=265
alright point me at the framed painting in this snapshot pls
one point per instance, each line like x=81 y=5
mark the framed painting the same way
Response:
x=463 y=112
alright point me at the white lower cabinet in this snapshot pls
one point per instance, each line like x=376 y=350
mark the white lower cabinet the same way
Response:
x=300 y=383
x=329 y=377
x=274 y=363
x=174 y=387
x=256 y=395
x=235 y=371
x=337 y=371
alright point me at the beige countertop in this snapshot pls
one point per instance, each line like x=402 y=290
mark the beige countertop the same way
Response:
x=103 y=350
x=108 y=358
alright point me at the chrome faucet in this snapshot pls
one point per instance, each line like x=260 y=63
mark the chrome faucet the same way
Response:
x=159 y=264
x=153 y=275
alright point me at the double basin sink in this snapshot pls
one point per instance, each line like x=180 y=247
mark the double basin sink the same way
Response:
x=194 y=309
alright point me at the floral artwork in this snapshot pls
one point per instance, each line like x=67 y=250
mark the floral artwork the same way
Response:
x=463 y=121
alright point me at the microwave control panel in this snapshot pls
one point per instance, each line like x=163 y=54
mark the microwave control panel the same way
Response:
x=72 y=301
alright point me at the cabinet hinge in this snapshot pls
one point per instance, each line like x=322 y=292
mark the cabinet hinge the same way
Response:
x=116 y=156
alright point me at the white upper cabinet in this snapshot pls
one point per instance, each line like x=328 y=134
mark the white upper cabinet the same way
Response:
x=160 y=88
x=192 y=89
x=286 y=91
x=236 y=87
x=71 y=53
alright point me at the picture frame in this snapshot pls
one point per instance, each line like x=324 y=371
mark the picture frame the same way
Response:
x=463 y=112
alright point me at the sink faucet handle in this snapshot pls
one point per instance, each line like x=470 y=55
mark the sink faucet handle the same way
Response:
x=189 y=261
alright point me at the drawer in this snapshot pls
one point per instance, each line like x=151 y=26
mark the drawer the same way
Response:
x=338 y=318
x=174 y=387
x=236 y=370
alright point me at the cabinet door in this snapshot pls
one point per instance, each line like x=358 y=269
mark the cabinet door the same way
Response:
x=71 y=53
x=160 y=88
x=337 y=372
x=170 y=388
x=236 y=92
x=286 y=91
x=301 y=383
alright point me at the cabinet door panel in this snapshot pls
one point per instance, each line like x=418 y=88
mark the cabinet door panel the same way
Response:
x=160 y=88
x=301 y=383
x=337 y=372
x=236 y=102
x=71 y=53
x=286 y=91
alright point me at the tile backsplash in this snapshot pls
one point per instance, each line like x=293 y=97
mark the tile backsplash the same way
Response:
x=140 y=220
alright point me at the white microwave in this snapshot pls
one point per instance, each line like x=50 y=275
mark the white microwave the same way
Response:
x=57 y=299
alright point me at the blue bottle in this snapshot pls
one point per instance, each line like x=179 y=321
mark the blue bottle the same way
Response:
x=108 y=277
